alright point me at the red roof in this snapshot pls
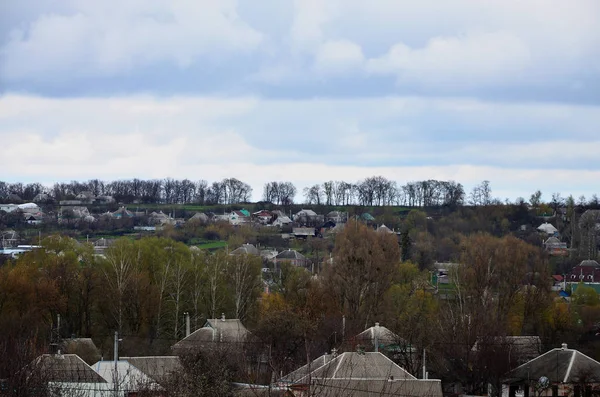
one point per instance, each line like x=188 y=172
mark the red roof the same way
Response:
x=557 y=277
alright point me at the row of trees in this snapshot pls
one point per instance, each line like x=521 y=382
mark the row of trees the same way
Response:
x=372 y=191
x=154 y=191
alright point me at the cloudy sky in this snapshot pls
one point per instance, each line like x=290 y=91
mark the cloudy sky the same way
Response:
x=306 y=90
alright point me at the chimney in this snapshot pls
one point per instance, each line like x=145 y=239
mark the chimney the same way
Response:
x=563 y=346
x=222 y=316
x=187 y=324
x=376 y=337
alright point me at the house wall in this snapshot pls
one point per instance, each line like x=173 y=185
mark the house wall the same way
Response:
x=563 y=390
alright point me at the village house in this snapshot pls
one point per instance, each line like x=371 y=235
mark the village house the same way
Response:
x=356 y=374
x=308 y=218
x=560 y=372
x=337 y=217
x=245 y=249
x=262 y=217
x=291 y=256
x=555 y=247
x=588 y=271
x=227 y=333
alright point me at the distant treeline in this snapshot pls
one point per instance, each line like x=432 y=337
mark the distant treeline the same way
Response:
x=372 y=191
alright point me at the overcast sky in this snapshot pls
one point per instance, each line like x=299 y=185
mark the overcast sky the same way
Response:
x=307 y=91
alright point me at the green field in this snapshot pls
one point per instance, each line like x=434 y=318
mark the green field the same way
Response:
x=212 y=245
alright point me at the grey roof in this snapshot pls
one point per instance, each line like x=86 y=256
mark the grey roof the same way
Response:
x=246 y=249
x=519 y=348
x=559 y=365
x=291 y=255
x=215 y=330
x=83 y=347
x=349 y=365
x=66 y=368
x=200 y=216
x=589 y=263
x=306 y=213
x=368 y=388
x=156 y=367
x=384 y=229
x=384 y=335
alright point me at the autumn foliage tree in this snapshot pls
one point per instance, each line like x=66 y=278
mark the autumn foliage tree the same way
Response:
x=363 y=266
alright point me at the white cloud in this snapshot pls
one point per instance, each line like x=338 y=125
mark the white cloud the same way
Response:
x=476 y=58
x=338 y=56
x=306 y=141
x=111 y=37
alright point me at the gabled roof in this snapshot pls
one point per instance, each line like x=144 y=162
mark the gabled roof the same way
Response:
x=349 y=365
x=306 y=213
x=200 y=216
x=159 y=368
x=128 y=376
x=290 y=255
x=215 y=330
x=589 y=263
x=367 y=217
x=558 y=365
x=519 y=348
x=547 y=228
x=66 y=368
x=383 y=334
x=245 y=249
x=384 y=229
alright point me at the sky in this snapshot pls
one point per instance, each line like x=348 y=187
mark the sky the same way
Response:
x=306 y=91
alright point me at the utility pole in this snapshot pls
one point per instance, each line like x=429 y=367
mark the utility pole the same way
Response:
x=116 y=358
x=424 y=365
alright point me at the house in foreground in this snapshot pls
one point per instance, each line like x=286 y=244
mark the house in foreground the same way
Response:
x=356 y=374
x=558 y=372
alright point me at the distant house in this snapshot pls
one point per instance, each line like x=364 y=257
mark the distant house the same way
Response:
x=547 y=228
x=588 y=271
x=239 y=217
x=558 y=372
x=122 y=213
x=42 y=198
x=357 y=374
x=282 y=220
x=199 y=217
x=303 y=232
x=263 y=217
x=380 y=338
x=337 y=217
x=366 y=217
x=384 y=229
x=82 y=347
x=86 y=197
x=516 y=349
x=308 y=217
x=160 y=218
x=293 y=257
x=555 y=247
x=105 y=200
x=225 y=332
x=246 y=249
